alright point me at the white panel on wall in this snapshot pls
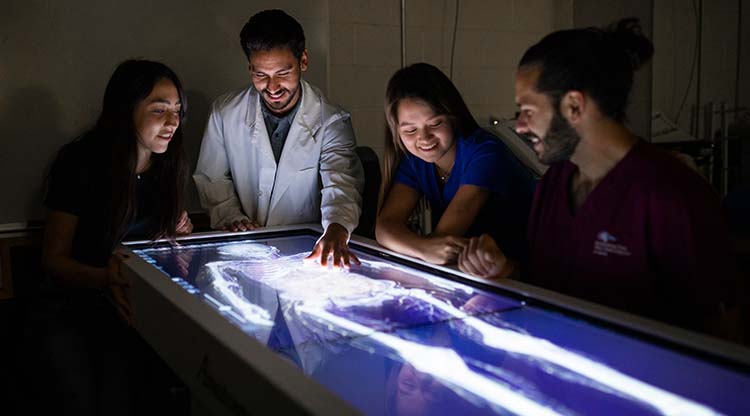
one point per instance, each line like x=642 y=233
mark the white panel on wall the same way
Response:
x=58 y=56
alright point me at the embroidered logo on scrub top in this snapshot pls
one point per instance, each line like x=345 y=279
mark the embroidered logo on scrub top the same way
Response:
x=606 y=244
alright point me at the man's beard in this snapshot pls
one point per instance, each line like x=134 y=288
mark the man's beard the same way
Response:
x=560 y=141
x=279 y=106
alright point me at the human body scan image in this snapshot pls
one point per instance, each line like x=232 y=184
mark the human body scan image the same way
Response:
x=391 y=339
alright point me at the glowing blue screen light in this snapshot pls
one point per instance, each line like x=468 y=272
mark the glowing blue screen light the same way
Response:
x=390 y=339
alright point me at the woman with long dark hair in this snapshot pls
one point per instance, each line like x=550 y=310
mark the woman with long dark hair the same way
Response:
x=434 y=147
x=124 y=178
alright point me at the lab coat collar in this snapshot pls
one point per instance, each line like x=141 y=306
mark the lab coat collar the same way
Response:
x=298 y=150
x=308 y=115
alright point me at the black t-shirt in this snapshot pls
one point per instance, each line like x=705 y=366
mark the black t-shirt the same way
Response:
x=80 y=184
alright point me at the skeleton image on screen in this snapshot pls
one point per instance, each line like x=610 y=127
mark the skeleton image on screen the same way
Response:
x=394 y=337
x=310 y=314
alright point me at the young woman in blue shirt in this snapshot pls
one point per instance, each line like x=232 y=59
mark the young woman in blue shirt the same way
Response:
x=435 y=148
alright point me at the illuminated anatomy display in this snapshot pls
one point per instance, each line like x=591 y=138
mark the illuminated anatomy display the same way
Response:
x=308 y=313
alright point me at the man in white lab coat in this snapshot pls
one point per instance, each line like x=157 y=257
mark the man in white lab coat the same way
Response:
x=277 y=152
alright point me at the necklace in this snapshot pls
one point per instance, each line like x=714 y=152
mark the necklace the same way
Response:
x=442 y=174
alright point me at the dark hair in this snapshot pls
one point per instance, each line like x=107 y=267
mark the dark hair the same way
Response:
x=426 y=83
x=131 y=83
x=271 y=29
x=598 y=62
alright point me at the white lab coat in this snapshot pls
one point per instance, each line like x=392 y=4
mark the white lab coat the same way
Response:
x=318 y=178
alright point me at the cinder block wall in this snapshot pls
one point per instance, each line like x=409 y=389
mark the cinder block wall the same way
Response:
x=365 y=50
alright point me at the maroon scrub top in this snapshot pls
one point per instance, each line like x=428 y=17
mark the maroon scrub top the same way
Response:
x=649 y=239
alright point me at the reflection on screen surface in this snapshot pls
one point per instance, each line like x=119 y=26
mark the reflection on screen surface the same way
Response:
x=394 y=340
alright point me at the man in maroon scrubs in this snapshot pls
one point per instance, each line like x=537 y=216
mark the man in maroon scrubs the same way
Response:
x=615 y=220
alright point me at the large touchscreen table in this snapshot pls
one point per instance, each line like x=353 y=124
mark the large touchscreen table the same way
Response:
x=391 y=339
